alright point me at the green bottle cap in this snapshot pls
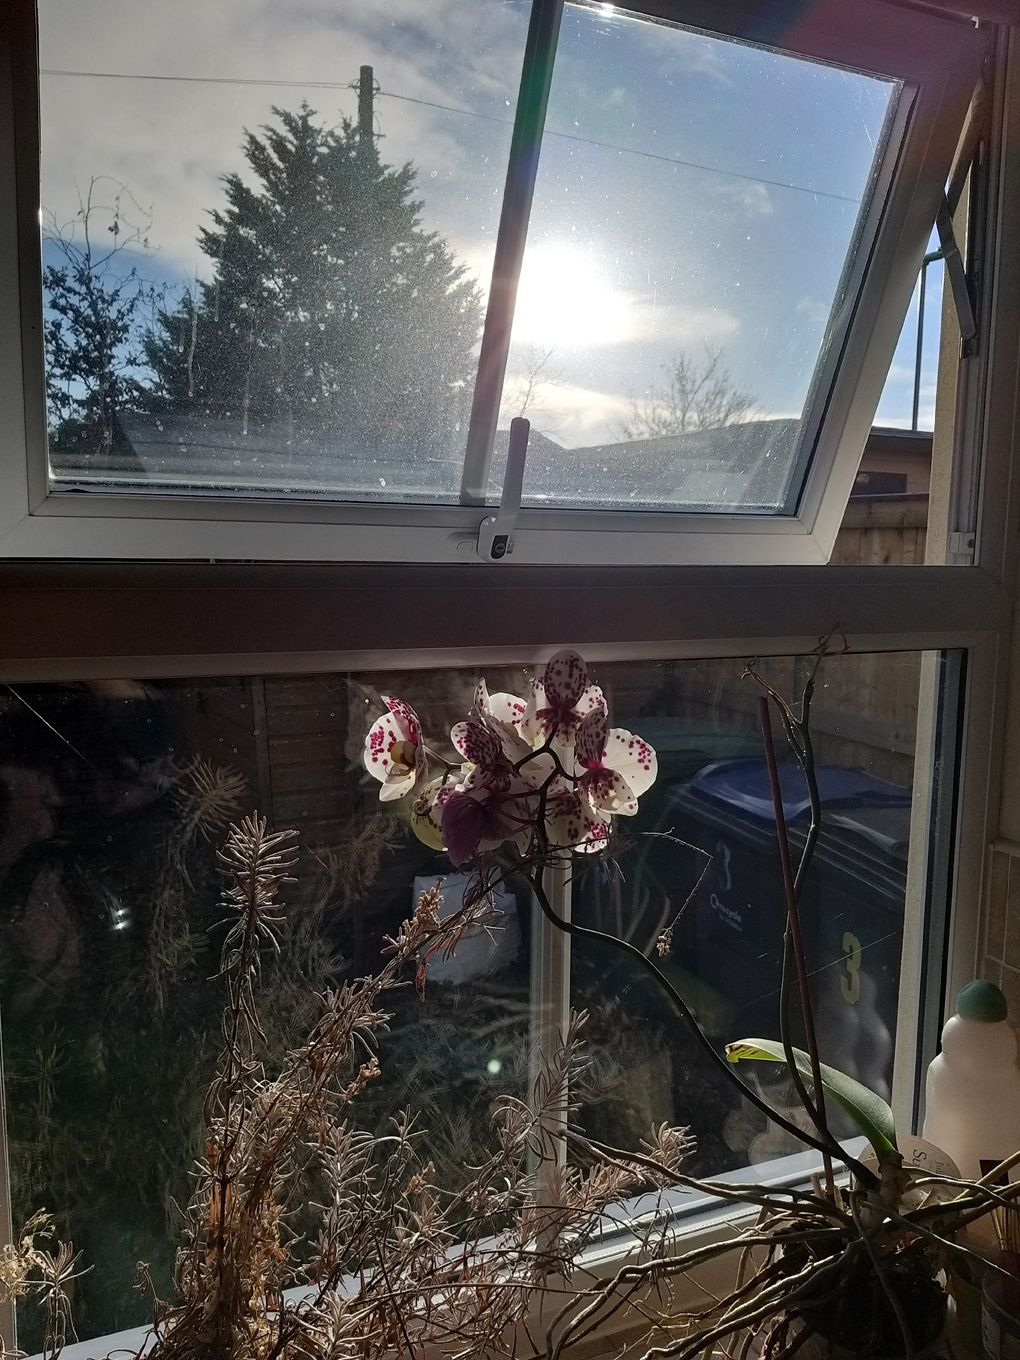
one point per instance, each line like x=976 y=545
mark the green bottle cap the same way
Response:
x=980 y=1000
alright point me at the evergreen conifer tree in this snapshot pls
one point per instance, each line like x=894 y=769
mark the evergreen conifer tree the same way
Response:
x=330 y=313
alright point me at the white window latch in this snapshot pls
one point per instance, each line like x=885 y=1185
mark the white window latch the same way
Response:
x=494 y=534
x=961 y=549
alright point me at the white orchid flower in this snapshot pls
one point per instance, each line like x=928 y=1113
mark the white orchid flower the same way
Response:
x=618 y=766
x=558 y=702
x=394 y=753
x=571 y=823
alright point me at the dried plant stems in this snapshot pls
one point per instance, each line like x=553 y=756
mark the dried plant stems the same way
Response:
x=396 y=1262
x=28 y=1269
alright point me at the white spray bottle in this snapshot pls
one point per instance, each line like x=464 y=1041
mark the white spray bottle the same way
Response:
x=972 y=1102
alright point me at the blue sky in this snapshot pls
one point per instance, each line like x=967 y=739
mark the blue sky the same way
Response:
x=719 y=205
x=631 y=259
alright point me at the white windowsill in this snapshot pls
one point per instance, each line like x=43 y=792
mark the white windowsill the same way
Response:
x=687 y=1214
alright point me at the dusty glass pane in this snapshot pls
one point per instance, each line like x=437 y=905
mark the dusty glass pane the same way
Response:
x=114 y=798
x=711 y=868
x=113 y=802
x=267 y=231
x=695 y=212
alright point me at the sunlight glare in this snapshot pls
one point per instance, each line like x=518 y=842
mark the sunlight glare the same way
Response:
x=564 y=300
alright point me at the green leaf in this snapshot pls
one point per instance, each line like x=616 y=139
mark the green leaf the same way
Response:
x=869 y=1112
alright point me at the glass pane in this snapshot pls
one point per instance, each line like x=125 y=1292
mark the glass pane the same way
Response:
x=908 y=399
x=886 y=520
x=711 y=868
x=113 y=802
x=697 y=207
x=114 y=798
x=266 y=236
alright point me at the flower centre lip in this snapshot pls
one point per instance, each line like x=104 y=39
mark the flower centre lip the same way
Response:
x=403 y=753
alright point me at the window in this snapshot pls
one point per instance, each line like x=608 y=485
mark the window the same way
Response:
x=72 y=627
x=691 y=283
x=116 y=795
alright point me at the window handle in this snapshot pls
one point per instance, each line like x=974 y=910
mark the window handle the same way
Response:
x=494 y=541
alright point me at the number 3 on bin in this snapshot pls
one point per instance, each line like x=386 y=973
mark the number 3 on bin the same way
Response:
x=850 y=985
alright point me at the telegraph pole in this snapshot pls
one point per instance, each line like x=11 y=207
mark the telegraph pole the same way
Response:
x=366 y=124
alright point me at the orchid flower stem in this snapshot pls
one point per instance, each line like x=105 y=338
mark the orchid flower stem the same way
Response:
x=546 y=749
x=829 y=1147
x=816 y=1108
x=804 y=751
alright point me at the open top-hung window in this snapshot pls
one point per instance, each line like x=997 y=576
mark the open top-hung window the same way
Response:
x=299 y=272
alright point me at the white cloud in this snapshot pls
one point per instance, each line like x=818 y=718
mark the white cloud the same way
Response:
x=575 y=416
x=171 y=141
x=814 y=309
x=684 y=326
x=752 y=200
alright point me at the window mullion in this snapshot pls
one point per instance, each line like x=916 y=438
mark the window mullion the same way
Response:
x=532 y=101
x=550 y=1021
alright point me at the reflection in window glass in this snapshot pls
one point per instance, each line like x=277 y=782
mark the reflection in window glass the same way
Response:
x=717 y=875
x=114 y=797
x=695 y=211
x=266 y=234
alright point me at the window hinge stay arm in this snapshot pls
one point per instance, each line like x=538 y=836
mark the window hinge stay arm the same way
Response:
x=956 y=272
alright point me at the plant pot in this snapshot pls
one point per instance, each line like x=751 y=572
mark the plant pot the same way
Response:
x=818 y=1348
x=821 y=1348
x=1000 y=1327
x=859 y=1321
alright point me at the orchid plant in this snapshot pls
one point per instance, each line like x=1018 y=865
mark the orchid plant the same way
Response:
x=540 y=778
x=543 y=775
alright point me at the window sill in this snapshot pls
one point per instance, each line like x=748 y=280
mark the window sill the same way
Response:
x=688 y=1216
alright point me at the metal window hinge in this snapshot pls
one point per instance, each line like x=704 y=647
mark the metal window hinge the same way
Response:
x=956 y=272
x=960 y=549
x=494 y=533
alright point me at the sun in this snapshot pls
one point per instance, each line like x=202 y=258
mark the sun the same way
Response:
x=564 y=300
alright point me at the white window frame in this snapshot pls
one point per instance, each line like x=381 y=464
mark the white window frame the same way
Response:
x=940 y=60
x=85 y=619
x=80 y=621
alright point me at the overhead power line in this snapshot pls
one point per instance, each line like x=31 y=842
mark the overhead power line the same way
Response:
x=467 y=113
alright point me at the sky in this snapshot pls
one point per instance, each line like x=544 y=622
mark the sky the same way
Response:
x=171 y=140
x=694 y=195
x=721 y=222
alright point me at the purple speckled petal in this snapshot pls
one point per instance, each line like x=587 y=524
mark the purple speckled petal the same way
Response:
x=590 y=742
x=564 y=679
x=476 y=743
x=405 y=716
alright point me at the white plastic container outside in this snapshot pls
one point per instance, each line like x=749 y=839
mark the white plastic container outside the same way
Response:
x=481 y=949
